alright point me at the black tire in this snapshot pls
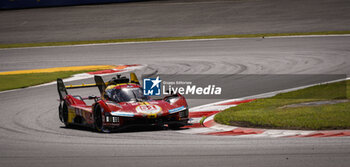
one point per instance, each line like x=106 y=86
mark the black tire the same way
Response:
x=63 y=113
x=175 y=126
x=98 y=122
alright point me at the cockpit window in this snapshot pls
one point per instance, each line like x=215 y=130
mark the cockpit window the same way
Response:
x=126 y=95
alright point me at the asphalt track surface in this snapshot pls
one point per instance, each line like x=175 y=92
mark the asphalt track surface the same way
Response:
x=31 y=134
x=182 y=18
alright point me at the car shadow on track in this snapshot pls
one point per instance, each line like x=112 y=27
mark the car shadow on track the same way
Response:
x=132 y=129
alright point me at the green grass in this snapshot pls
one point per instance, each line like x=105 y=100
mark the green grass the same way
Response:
x=8 y=82
x=271 y=113
x=202 y=120
x=18 y=45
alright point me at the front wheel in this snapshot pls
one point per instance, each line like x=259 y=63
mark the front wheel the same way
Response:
x=98 y=120
x=175 y=126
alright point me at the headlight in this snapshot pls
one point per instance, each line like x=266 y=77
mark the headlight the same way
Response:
x=108 y=118
x=115 y=119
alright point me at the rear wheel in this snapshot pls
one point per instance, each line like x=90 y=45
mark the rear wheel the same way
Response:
x=63 y=113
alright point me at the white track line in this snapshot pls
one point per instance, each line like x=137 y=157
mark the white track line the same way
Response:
x=185 y=40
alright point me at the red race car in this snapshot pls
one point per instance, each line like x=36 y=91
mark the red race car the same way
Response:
x=121 y=104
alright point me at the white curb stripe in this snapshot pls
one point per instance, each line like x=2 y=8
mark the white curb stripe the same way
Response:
x=212 y=108
x=197 y=130
x=194 y=120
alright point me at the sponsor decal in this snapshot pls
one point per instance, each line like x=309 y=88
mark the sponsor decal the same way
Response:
x=122 y=114
x=148 y=109
x=174 y=110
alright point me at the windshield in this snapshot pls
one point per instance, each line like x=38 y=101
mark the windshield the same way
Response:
x=126 y=95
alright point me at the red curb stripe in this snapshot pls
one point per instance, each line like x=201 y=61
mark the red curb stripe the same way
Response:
x=104 y=72
x=236 y=132
x=313 y=135
x=237 y=102
x=336 y=135
x=132 y=65
x=202 y=114
x=209 y=123
x=325 y=134
x=116 y=69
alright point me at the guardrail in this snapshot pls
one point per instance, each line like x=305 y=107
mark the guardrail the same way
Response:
x=20 y=4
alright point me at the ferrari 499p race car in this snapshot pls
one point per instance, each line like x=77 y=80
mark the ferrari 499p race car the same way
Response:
x=121 y=104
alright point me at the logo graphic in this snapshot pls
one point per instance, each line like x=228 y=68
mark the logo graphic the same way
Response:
x=148 y=109
x=152 y=86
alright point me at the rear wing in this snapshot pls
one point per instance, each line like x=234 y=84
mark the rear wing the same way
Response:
x=100 y=84
x=62 y=89
x=133 y=78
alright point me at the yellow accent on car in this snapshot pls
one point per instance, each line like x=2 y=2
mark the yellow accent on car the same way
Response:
x=80 y=86
x=152 y=116
x=71 y=115
x=144 y=103
x=110 y=87
x=133 y=78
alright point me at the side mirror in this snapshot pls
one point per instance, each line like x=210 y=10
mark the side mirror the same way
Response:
x=93 y=98
x=172 y=98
